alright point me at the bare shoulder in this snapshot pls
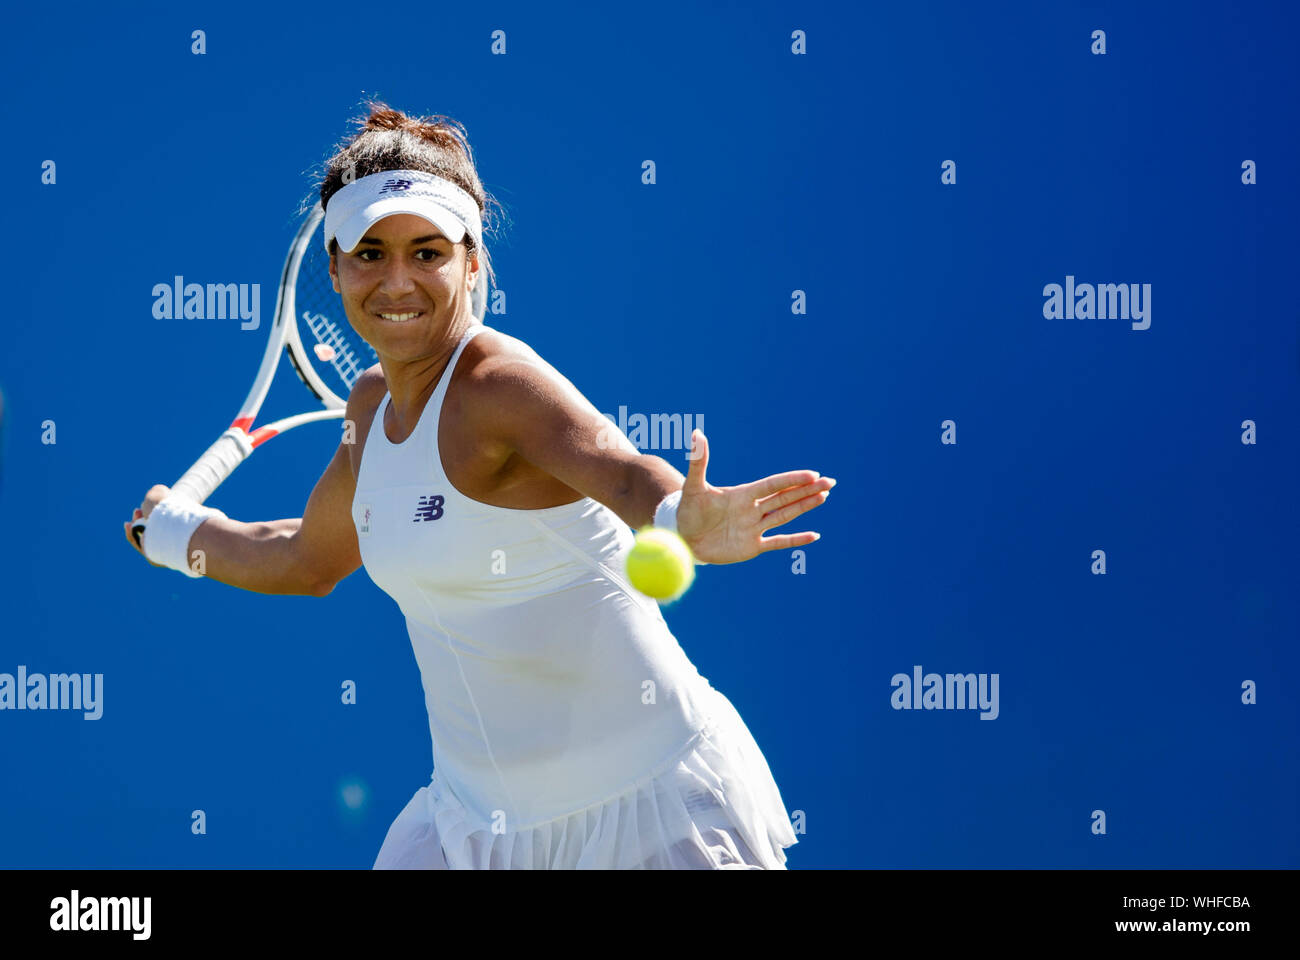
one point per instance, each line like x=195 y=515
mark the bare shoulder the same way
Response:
x=492 y=350
x=367 y=392
x=363 y=401
x=503 y=369
x=512 y=398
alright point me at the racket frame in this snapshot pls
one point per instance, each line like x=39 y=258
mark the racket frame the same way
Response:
x=238 y=441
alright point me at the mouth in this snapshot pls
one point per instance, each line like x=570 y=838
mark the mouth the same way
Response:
x=404 y=317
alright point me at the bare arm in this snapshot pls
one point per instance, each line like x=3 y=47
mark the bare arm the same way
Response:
x=304 y=555
x=524 y=405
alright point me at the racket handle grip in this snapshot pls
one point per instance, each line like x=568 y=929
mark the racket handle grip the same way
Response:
x=218 y=462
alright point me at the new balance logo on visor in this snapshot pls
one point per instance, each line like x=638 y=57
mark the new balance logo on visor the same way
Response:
x=391 y=186
x=429 y=508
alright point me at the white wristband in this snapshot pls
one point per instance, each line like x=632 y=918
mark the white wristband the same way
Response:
x=167 y=532
x=666 y=515
x=666 y=512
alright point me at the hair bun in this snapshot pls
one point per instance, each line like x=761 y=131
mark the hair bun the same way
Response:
x=439 y=130
x=384 y=118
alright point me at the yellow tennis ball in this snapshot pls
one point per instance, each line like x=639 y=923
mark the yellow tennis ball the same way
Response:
x=660 y=563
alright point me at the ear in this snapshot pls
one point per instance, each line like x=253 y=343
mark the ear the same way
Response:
x=334 y=273
x=471 y=272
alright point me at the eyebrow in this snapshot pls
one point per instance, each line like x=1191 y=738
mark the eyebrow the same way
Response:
x=429 y=239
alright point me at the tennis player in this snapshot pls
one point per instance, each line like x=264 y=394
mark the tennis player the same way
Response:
x=491 y=501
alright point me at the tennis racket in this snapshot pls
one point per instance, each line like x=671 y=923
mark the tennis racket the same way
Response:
x=307 y=310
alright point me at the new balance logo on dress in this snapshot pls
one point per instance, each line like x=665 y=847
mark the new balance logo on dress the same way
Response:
x=429 y=508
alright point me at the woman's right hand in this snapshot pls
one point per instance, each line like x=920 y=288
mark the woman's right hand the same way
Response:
x=157 y=493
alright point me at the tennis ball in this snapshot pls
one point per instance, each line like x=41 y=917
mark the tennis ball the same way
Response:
x=660 y=563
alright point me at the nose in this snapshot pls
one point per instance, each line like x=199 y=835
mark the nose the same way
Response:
x=398 y=277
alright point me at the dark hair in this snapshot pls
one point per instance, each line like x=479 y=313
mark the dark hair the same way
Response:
x=391 y=140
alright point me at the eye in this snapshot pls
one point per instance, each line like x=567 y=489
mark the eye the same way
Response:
x=432 y=253
x=365 y=254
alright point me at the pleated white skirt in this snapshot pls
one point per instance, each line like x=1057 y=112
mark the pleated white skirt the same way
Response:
x=713 y=807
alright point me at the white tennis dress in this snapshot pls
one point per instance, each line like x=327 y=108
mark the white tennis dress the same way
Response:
x=569 y=728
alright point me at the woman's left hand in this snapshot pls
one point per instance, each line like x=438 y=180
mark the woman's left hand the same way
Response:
x=726 y=524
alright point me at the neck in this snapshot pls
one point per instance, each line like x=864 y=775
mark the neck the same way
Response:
x=412 y=382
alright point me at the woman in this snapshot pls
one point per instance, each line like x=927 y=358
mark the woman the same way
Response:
x=488 y=497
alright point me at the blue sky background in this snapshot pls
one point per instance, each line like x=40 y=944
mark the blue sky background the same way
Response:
x=776 y=172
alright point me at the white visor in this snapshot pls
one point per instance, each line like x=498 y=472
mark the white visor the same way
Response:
x=361 y=204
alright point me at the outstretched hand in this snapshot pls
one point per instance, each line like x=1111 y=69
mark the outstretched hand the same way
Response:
x=726 y=524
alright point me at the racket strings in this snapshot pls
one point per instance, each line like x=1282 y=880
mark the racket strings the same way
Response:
x=332 y=347
x=320 y=313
